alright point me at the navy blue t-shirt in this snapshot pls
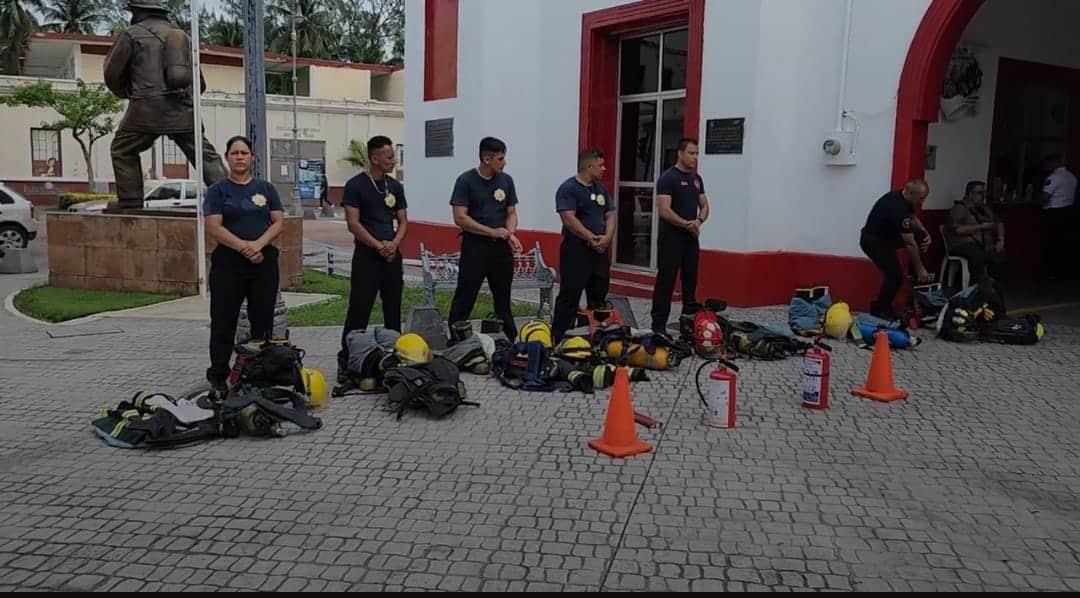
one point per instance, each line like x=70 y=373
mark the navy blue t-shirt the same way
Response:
x=378 y=202
x=889 y=218
x=487 y=200
x=684 y=189
x=245 y=209
x=590 y=203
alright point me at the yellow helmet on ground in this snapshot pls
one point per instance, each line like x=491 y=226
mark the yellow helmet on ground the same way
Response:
x=314 y=386
x=838 y=320
x=536 y=331
x=574 y=347
x=412 y=349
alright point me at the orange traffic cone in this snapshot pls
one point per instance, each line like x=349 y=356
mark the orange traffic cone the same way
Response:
x=879 y=381
x=620 y=436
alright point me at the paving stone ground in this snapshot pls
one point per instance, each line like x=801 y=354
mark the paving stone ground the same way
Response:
x=972 y=484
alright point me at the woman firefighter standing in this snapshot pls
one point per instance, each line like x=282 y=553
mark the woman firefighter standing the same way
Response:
x=244 y=215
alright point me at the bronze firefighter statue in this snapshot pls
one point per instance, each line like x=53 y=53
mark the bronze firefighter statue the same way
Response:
x=150 y=66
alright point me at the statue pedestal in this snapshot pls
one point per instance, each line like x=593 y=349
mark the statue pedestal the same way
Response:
x=151 y=251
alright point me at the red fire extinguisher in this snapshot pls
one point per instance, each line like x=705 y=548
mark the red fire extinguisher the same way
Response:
x=719 y=400
x=816 y=365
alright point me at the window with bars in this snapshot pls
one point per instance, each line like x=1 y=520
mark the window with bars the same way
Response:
x=174 y=164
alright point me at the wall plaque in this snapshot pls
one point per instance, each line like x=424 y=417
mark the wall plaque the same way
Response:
x=439 y=138
x=724 y=135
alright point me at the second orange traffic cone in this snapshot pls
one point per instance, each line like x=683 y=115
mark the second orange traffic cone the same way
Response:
x=620 y=434
x=879 y=380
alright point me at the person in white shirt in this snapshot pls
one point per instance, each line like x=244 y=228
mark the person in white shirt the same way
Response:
x=1058 y=195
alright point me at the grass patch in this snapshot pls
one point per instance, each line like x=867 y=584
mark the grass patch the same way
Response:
x=54 y=304
x=332 y=313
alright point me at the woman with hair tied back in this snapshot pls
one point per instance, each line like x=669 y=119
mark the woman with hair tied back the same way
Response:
x=244 y=215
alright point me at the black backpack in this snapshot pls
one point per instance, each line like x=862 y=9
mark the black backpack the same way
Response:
x=270 y=364
x=1024 y=330
x=435 y=387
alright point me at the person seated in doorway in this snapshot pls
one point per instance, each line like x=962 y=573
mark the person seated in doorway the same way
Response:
x=976 y=234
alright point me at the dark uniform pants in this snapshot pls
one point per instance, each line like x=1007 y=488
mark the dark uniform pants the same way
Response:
x=234 y=278
x=483 y=257
x=372 y=275
x=883 y=254
x=982 y=262
x=676 y=254
x=127 y=166
x=1057 y=230
x=580 y=269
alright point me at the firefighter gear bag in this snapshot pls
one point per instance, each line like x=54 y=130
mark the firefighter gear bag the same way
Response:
x=270 y=363
x=1023 y=330
x=434 y=387
x=469 y=355
x=759 y=342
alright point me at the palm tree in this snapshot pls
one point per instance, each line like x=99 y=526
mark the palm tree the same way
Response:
x=356 y=153
x=224 y=32
x=227 y=28
x=17 y=24
x=316 y=35
x=75 y=16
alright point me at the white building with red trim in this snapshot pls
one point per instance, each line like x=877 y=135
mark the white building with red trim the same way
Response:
x=764 y=84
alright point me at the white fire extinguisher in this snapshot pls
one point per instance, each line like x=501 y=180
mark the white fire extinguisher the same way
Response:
x=816 y=365
x=719 y=398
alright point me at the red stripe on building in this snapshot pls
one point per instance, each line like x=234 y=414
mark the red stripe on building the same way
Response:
x=440 y=49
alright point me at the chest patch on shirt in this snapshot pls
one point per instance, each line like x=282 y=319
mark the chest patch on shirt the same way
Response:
x=258 y=199
x=500 y=195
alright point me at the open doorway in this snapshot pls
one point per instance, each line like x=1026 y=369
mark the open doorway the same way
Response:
x=990 y=91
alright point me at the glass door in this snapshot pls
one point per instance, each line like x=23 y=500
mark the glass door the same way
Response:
x=652 y=99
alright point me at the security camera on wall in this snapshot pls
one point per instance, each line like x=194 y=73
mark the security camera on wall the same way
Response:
x=839 y=148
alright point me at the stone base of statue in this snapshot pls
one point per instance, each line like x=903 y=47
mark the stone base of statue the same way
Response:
x=151 y=251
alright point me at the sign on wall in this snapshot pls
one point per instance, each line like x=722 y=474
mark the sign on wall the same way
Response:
x=311 y=176
x=724 y=135
x=439 y=138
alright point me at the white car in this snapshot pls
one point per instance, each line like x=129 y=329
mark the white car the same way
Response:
x=17 y=226
x=173 y=193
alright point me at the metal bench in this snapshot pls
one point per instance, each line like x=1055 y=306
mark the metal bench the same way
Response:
x=530 y=272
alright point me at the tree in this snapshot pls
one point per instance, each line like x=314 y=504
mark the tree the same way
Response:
x=317 y=27
x=369 y=29
x=88 y=112
x=227 y=28
x=17 y=24
x=75 y=16
x=357 y=153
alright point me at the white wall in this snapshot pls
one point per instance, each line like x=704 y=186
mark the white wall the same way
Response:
x=775 y=62
x=1043 y=31
x=798 y=203
x=518 y=66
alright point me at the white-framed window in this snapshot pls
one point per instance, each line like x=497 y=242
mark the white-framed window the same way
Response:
x=652 y=102
x=46 y=159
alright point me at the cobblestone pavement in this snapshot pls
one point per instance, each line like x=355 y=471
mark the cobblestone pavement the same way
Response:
x=972 y=484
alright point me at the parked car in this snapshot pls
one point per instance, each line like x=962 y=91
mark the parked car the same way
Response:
x=172 y=193
x=17 y=226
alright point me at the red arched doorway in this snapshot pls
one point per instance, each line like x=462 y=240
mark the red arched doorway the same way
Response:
x=917 y=100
